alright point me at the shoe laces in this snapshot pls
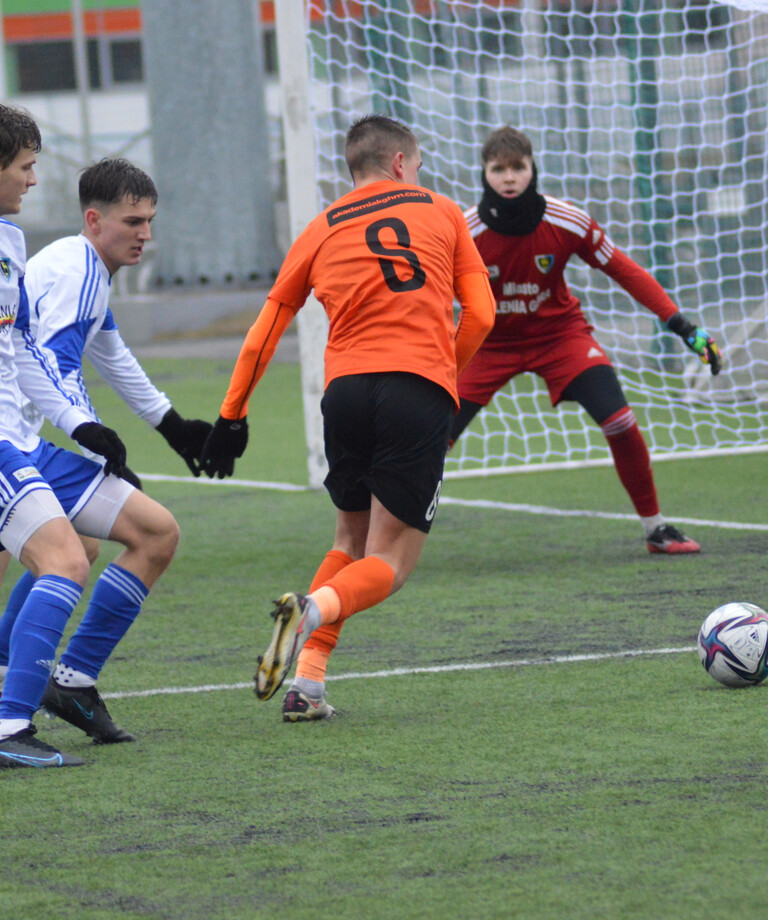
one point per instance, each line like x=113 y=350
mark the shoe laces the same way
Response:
x=672 y=533
x=91 y=693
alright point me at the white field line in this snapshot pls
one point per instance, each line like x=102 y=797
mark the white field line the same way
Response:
x=606 y=515
x=656 y=457
x=205 y=481
x=466 y=502
x=482 y=666
x=408 y=672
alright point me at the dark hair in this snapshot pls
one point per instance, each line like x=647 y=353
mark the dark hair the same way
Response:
x=373 y=140
x=507 y=144
x=112 y=179
x=18 y=130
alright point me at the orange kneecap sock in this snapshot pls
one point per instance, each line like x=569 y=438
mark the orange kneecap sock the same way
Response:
x=355 y=587
x=361 y=585
x=335 y=560
x=313 y=658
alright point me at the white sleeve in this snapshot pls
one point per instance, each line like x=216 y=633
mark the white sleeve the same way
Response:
x=118 y=366
x=62 y=297
x=41 y=383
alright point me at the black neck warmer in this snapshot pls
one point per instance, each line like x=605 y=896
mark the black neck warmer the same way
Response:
x=512 y=216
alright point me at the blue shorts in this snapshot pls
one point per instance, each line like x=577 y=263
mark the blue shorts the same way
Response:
x=71 y=478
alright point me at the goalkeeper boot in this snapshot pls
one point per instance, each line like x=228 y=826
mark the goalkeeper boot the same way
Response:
x=299 y=707
x=295 y=617
x=24 y=750
x=85 y=709
x=668 y=539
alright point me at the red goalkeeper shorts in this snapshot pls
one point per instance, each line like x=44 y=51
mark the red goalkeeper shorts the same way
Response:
x=558 y=362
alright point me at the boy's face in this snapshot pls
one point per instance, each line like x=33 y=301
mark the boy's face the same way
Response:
x=120 y=231
x=16 y=180
x=509 y=178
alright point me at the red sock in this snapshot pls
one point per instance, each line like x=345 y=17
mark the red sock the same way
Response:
x=632 y=460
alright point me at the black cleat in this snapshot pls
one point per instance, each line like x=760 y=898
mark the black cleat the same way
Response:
x=668 y=539
x=85 y=709
x=24 y=750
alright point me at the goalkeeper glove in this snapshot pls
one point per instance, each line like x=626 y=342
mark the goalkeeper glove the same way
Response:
x=698 y=340
x=227 y=440
x=186 y=436
x=104 y=442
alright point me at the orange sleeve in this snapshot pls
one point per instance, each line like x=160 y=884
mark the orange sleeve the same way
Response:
x=257 y=351
x=478 y=312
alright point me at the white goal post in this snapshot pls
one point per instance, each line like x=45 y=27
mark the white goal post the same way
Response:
x=303 y=206
x=650 y=114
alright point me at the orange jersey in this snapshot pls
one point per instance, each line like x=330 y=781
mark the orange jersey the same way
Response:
x=383 y=261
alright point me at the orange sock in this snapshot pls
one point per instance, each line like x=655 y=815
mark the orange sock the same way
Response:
x=333 y=563
x=354 y=587
x=313 y=658
x=361 y=585
x=313 y=662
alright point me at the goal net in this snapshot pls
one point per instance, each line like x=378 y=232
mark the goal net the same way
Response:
x=650 y=115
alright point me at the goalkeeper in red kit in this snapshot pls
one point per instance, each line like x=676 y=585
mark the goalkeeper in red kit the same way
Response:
x=526 y=240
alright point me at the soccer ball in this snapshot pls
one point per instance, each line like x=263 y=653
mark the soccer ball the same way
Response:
x=733 y=644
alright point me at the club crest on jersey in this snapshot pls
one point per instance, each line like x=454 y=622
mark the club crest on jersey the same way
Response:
x=7 y=317
x=544 y=263
x=5 y=268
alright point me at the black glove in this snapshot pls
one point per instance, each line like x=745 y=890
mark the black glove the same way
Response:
x=186 y=436
x=227 y=440
x=129 y=476
x=698 y=340
x=102 y=441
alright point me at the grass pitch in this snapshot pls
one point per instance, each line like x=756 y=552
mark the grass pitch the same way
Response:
x=496 y=754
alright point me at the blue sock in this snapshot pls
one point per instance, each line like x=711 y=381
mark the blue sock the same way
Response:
x=115 y=603
x=15 y=602
x=34 y=640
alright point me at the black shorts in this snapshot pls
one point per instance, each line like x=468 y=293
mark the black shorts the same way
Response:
x=387 y=435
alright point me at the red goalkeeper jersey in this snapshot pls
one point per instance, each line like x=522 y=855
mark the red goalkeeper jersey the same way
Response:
x=533 y=301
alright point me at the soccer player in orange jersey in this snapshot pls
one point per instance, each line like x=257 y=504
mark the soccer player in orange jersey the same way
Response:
x=526 y=240
x=385 y=261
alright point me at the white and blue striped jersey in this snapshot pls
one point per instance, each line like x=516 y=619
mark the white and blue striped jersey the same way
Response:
x=68 y=287
x=27 y=370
